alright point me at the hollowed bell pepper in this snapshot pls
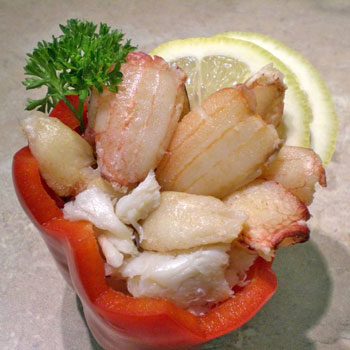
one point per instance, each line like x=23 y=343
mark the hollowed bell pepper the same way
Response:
x=116 y=320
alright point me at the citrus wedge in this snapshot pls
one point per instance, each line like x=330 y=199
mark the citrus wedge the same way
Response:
x=214 y=63
x=324 y=124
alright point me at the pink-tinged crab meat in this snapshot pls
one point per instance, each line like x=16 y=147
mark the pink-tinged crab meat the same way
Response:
x=133 y=127
x=276 y=217
x=269 y=89
x=298 y=169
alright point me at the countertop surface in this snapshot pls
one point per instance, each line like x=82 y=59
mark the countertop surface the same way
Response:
x=311 y=309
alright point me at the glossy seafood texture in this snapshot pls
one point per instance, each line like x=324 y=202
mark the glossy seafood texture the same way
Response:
x=189 y=278
x=184 y=221
x=219 y=146
x=132 y=128
x=64 y=157
x=268 y=87
x=276 y=218
x=298 y=169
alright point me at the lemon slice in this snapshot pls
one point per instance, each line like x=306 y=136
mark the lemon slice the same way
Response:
x=214 y=63
x=324 y=124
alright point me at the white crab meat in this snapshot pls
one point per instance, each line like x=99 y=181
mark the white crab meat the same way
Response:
x=115 y=248
x=188 y=278
x=114 y=257
x=138 y=204
x=94 y=205
x=240 y=262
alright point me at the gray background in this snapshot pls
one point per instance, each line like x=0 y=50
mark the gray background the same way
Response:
x=311 y=309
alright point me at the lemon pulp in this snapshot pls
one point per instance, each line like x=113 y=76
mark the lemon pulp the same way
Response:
x=214 y=63
x=210 y=74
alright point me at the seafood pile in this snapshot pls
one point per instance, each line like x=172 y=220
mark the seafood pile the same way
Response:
x=183 y=200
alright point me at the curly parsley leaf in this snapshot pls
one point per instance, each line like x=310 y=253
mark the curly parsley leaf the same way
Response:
x=82 y=58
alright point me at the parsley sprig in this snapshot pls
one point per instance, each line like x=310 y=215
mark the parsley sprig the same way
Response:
x=75 y=62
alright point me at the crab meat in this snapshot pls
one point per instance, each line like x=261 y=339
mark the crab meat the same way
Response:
x=269 y=90
x=133 y=127
x=114 y=237
x=298 y=169
x=212 y=140
x=184 y=221
x=189 y=278
x=241 y=259
x=97 y=207
x=114 y=248
x=64 y=157
x=138 y=204
x=276 y=217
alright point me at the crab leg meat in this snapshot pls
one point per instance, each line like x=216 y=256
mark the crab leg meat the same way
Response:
x=218 y=146
x=133 y=127
x=276 y=217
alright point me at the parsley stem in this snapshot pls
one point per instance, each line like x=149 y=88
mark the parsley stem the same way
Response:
x=81 y=121
x=78 y=113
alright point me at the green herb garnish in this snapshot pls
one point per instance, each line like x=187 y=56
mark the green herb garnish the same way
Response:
x=75 y=62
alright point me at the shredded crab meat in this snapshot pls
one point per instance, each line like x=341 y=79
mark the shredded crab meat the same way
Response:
x=114 y=237
x=97 y=207
x=188 y=278
x=114 y=257
x=139 y=203
x=240 y=261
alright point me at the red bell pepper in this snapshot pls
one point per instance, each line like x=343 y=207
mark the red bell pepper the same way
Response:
x=65 y=115
x=116 y=320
